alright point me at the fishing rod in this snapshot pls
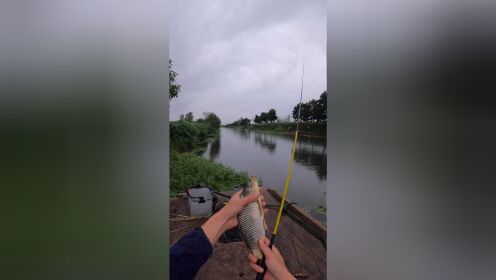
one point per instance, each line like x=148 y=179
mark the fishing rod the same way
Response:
x=261 y=262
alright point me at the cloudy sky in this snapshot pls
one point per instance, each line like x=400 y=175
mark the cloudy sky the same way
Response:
x=239 y=58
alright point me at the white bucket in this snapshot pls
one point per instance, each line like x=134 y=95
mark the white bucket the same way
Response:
x=200 y=201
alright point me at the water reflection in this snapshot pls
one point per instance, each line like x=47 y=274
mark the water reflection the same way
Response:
x=244 y=133
x=310 y=151
x=214 y=149
x=267 y=154
x=266 y=141
x=313 y=155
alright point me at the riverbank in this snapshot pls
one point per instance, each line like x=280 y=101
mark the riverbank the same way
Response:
x=317 y=129
x=188 y=169
x=189 y=138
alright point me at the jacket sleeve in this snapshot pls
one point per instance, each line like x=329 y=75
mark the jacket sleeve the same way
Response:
x=188 y=255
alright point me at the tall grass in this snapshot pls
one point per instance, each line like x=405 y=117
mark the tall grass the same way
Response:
x=187 y=169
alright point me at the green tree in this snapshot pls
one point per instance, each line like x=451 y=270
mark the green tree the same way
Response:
x=271 y=115
x=319 y=108
x=264 y=117
x=212 y=119
x=181 y=117
x=314 y=110
x=174 y=88
x=244 y=121
x=306 y=112
x=295 y=112
x=189 y=117
x=257 y=119
x=323 y=106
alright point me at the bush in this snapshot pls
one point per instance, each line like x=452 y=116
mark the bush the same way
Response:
x=213 y=120
x=187 y=169
x=184 y=135
x=205 y=131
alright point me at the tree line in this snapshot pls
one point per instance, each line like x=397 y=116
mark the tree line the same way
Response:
x=209 y=118
x=265 y=117
x=240 y=122
x=313 y=110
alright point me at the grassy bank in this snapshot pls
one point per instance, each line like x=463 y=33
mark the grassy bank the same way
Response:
x=187 y=169
x=309 y=128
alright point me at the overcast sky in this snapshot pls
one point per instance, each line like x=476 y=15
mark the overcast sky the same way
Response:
x=239 y=58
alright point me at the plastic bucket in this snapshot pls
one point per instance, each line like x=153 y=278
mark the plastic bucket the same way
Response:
x=200 y=200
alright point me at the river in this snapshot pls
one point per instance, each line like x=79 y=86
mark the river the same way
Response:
x=267 y=156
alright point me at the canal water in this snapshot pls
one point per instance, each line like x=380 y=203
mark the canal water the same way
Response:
x=267 y=156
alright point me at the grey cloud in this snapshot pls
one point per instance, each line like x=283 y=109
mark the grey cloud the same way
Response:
x=238 y=58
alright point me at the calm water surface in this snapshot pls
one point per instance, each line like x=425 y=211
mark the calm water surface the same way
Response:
x=267 y=156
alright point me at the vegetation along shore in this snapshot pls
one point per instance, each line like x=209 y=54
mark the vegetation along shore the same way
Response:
x=313 y=119
x=187 y=136
x=189 y=169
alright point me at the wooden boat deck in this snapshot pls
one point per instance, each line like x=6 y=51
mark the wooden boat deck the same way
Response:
x=300 y=238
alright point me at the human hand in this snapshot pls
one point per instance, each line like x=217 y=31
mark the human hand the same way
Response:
x=235 y=205
x=227 y=218
x=276 y=268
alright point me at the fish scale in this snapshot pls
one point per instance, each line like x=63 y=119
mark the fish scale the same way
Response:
x=251 y=221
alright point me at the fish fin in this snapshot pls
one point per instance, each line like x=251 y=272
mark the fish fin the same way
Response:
x=259 y=200
x=262 y=214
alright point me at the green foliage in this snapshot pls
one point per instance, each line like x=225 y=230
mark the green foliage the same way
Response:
x=264 y=117
x=244 y=121
x=189 y=117
x=309 y=128
x=241 y=122
x=184 y=136
x=271 y=115
x=206 y=131
x=212 y=119
x=174 y=88
x=314 y=110
x=322 y=107
x=187 y=169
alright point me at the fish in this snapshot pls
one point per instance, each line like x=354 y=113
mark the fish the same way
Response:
x=251 y=220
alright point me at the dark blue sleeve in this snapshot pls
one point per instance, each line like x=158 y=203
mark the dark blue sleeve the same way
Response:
x=188 y=254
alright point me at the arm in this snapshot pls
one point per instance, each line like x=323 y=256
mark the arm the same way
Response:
x=227 y=217
x=188 y=254
x=215 y=226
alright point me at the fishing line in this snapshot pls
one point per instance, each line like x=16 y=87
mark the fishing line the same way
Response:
x=261 y=262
